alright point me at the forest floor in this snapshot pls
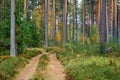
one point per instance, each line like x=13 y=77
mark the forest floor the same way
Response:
x=29 y=70
x=55 y=71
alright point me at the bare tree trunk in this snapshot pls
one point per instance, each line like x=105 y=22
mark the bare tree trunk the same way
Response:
x=58 y=15
x=103 y=27
x=83 y=19
x=111 y=28
x=74 y=20
x=98 y=12
x=12 y=37
x=46 y=23
x=53 y=21
x=115 y=20
x=89 y=26
x=25 y=9
x=92 y=14
x=119 y=22
x=107 y=28
x=64 y=21
x=76 y=29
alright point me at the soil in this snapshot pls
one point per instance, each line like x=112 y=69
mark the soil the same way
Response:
x=55 y=71
x=29 y=70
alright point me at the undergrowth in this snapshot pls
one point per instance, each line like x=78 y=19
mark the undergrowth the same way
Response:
x=9 y=65
x=84 y=62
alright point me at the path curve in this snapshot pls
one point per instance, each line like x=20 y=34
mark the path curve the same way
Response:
x=55 y=71
x=29 y=70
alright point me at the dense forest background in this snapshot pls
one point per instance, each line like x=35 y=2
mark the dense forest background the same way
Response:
x=76 y=30
x=39 y=23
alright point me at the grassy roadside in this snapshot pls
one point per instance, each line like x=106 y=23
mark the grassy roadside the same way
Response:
x=42 y=65
x=9 y=65
x=84 y=63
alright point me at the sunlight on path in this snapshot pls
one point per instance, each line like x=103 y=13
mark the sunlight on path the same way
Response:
x=29 y=70
x=55 y=70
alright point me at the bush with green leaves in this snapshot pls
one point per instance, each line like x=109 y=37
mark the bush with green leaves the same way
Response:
x=31 y=52
x=26 y=31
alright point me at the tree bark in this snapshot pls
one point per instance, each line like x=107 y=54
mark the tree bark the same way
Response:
x=119 y=24
x=103 y=26
x=25 y=9
x=83 y=20
x=46 y=23
x=12 y=37
x=98 y=12
x=53 y=21
x=64 y=21
x=115 y=20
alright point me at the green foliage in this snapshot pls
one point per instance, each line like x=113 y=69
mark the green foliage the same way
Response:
x=8 y=67
x=38 y=18
x=5 y=26
x=82 y=62
x=31 y=52
x=26 y=31
x=43 y=62
x=26 y=35
x=85 y=68
x=94 y=34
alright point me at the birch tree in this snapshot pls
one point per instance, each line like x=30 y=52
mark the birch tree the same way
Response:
x=12 y=37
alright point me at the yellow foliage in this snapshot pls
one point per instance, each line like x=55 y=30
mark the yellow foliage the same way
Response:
x=58 y=37
x=95 y=35
x=81 y=38
x=38 y=17
x=49 y=23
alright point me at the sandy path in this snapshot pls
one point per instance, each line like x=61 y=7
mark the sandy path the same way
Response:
x=29 y=70
x=55 y=70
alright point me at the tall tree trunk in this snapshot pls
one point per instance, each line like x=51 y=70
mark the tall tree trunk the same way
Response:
x=109 y=19
x=98 y=9
x=89 y=26
x=64 y=21
x=46 y=23
x=103 y=26
x=58 y=15
x=92 y=14
x=83 y=20
x=25 y=8
x=74 y=20
x=12 y=37
x=115 y=20
x=53 y=21
x=111 y=27
x=119 y=22
x=107 y=28
x=76 y=33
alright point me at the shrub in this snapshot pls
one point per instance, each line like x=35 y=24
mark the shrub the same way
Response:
x=31 y=52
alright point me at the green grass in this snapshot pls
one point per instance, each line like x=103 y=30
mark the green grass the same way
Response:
x=83 y=62
x=31 y=52
x=43 y=62
x=9 y=65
